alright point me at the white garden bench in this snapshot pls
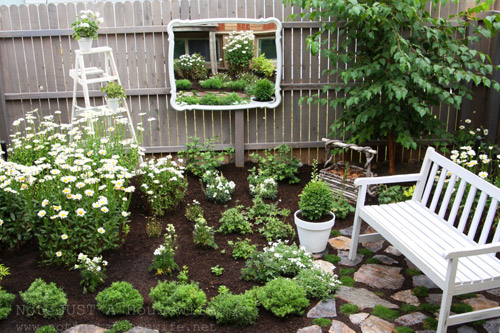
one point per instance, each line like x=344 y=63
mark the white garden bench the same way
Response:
x=446 y=230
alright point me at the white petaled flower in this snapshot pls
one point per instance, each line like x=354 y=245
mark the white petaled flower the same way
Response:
x=58 y=253
x=468 y=121
x=483 y=174
x=42 y=213
x=104 y=209
x=101 y=230
x=80 y=212
x=1 y=222
x=64 y=236
x=45 y=202
x=63 y=214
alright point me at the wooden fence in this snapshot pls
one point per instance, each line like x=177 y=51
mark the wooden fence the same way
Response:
x=36 y=54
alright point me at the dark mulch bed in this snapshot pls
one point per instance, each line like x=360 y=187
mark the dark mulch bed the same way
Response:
x=130 y=263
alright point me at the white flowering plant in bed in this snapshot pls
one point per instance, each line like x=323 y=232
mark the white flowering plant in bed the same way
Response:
x=262 y=185
x=86 y=24
x=92 y=271
x=238 y=51
x=218 y=188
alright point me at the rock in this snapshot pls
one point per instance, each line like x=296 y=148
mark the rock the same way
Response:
x=345 y=260
x=492 y=326
x=339 y=327
x=139 y=329
x=373 y=246
x=370 y=230
x=392 y=250
x=340 y=243
x=358 y=318
x=406 y=296
x=346 y=231
x=466 y=329
x=374 y=324
x=323 y=310
x=319 y=255
x=324 y=266
x=422 y=280
x=84 y=328
x=410 y=319
x=410 y=264
x=385 y=259
x=310 y=329
x=495 y=292
x=363 y=298
x=434 y=299
x=480 y=303
x=380 y=276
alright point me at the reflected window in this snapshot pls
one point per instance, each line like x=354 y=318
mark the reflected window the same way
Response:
x=268 y=47
x=191 y=46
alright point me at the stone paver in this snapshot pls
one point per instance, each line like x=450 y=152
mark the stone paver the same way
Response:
x=407 y=297
x=434 y=299
x=310 y=329
x=357 y=318
x=324 y=266
x=410 y=264
x=422 y=280
x=139 y=329
x=374 y=324
x=319 y=255
x=363 y=298
x=340 y=243
x=385 y=259
x=495 y=292
x=346 y=231
x=373 y=246
x=480 y=302
x=466 y=329
x=410 y=319
x=84 y=328
x=345 y=260
x=340 y=327
x=380 y=276
x=392 y=250
x=492 y=326
x=323 y=309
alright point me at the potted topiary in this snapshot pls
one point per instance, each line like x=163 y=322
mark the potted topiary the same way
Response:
x=85 y=28
x=314 y=219
x=114 y=93
x=263 y=91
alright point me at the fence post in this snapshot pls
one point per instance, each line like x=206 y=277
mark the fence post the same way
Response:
x=490 y=117
x=239 y=138
x=4 y=120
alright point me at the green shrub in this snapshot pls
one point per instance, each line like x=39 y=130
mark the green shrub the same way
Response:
x=121 y=326
x=275 y=229
x=120 y=298
x=347 y=281
x=261 y=212
x=317 y=283
x=347 y=271
x=395 y=193
x=228 y=308
x=238 y=51
x=316 y=200
x=47 y=299
x=46 y=329
x=187 y=99
x=412 y=272
x=279 y=163
x=242 y=248
x=234 y=220
x=262 y=66
x=174 y=298
x=238 y=85
x=114 y=90
x=420 y=291
x=16 y=228
x=203 y=234
x=210 y=99
x=194 y=211
x=217 y=270
x=349 y=309
x=6 y=300
x=385 y=313
x=183 y=84
x=230 y=99
x=202 y=157
x=264 y=90
x=341 y=207
x=461 y=308
x=332 y=258
x=218 y=188
x=283 y=297
x=212 y=83
x=248 y=77
x=261 y=185
x=403 y=329
x=190 y=67
x=322 y=322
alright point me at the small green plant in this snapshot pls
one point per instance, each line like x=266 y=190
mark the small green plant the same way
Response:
x=335 y=233
x=92 y=272
x=347 y=271
x=316 y=200
x=153 y=228
x=332 y=258
x=262 y=66
x=466 y=296
x=45 y=299
x=86 y=25
x=347 y=281
x=322 y=322
x=218 y=188
x=349 y=309
x=46 y=329
x=275 y=229
x=121 y=326
x=262 y=185
x=212 y=83
x=420 y=291
x=283 y=297
x=194 y=211
x=373 y=261
x=278 y=162
x=203 y=234
x=408 y=308
x=224 y=77
x=396 y=193
x=238 y=51
x=403 y=329
x=461 y=308
x=164 y=261
x=242 y=249
x=6 y=300
x=183 y=84
x=427 y=307
x=317 y=283
x=187 y=98
x=261 y=212
x=228 y=308
x=238 y=85
x=234 y=220
x=385 y=313
x=120 y=298
x=341 y=206
x=201 y=157
x=190 y=67
x=412 y=272
x=217 y=270
x=366 y=252
x=264 y=90
x=114 y=90
x=379 y=293
x=430 y=323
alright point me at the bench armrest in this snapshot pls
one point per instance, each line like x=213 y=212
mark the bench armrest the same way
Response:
x=472 y=251
x=412 y=177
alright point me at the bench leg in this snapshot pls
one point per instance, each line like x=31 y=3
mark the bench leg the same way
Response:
x=444 y=311
x=355 y=236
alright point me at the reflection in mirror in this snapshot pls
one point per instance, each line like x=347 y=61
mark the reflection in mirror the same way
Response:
x=224 y=64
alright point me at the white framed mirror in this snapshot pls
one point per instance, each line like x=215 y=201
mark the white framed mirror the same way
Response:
x=224 y=63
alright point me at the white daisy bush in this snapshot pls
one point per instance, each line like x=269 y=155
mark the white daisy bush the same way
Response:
x=73 y=181
x=92 y=271
x=190 y=67
x=261 y=185
x=163 y=182
x=238 y=51
x=164 y=261
x=218 y=188
x=86 y=24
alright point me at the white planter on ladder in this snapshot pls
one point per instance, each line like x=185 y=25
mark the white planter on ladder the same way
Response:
x=85 y=44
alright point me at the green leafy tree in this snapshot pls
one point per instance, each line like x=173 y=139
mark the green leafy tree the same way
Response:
x=395 y=62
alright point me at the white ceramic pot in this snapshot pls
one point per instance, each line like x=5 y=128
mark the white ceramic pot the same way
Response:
x=113 y=103
x=85 y=44
x=313 y=235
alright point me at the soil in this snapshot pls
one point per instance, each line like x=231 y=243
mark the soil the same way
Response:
x=130 y=263
x=352 y=173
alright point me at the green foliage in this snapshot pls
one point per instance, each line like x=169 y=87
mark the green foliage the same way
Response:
x=430 y=323
x=263 y=90
x=212 y=83
x=396 y=193
x=248 y=77
x=238 y=51
x=120 y=298
x=203 y=235
x=420 y=291
x=190 y=67
x=408 y=308
x=341 y=207
x=242 y=248
x=316 y=200
x=121 y=326
x=217 y=270
x=174 y=298
x=113 y=90
x=262 y=66
x=335 y=233
x=373 y=261
x=463 y=296
x=228 y=308
x=153 y=228
x=86 y=25
x=183 y=84
x=317 y=283
x=262 y=185
x=385 y=313
x=164 y=261
x=201 y=157
x=349 y=309
x=406 y=63
x=238 y=85
x=15 y=227
x=6 y=300
x=92 y=272
x=403 y=329
x=187 y=98
x=44 y=299
x=234 y=220
x=347 y=271
x=332 y=258
x=46 y=329
x=461 y=308
x=275 y=229
x=347 y=281
x=261 y=212
x=4 y=271
x=218 y=188
x=412 y=272
x=366 y=252
x=283 y=297
x=224 y=77
x=322 y=322
x=278 y=162
x=426 y=307
x=194 y=211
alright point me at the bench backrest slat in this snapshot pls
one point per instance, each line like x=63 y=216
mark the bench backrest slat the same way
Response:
x=477 y=216
x=430 y=183
x=467 y=207
x=447 y=195
x=489 y=221
x=438 y=189
x=457 y=201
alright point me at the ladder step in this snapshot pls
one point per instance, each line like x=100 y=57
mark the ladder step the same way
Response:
x=87 y=71
x=105 y=78
x=99 y=49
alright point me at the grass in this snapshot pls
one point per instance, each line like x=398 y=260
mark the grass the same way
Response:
x=461 y=308
x=385 y=313
x=365 y=252
x=420 y=291
x=412 y=272
x=426 y=307
x=323 y=322
x=403 y=329
x=349 y=309
x=332 y=258
x=466 y=296
x=346 y=271
x=408 y=308
x=335 y=233
x=347 y=281
x=373 y=261
x=430 y=323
